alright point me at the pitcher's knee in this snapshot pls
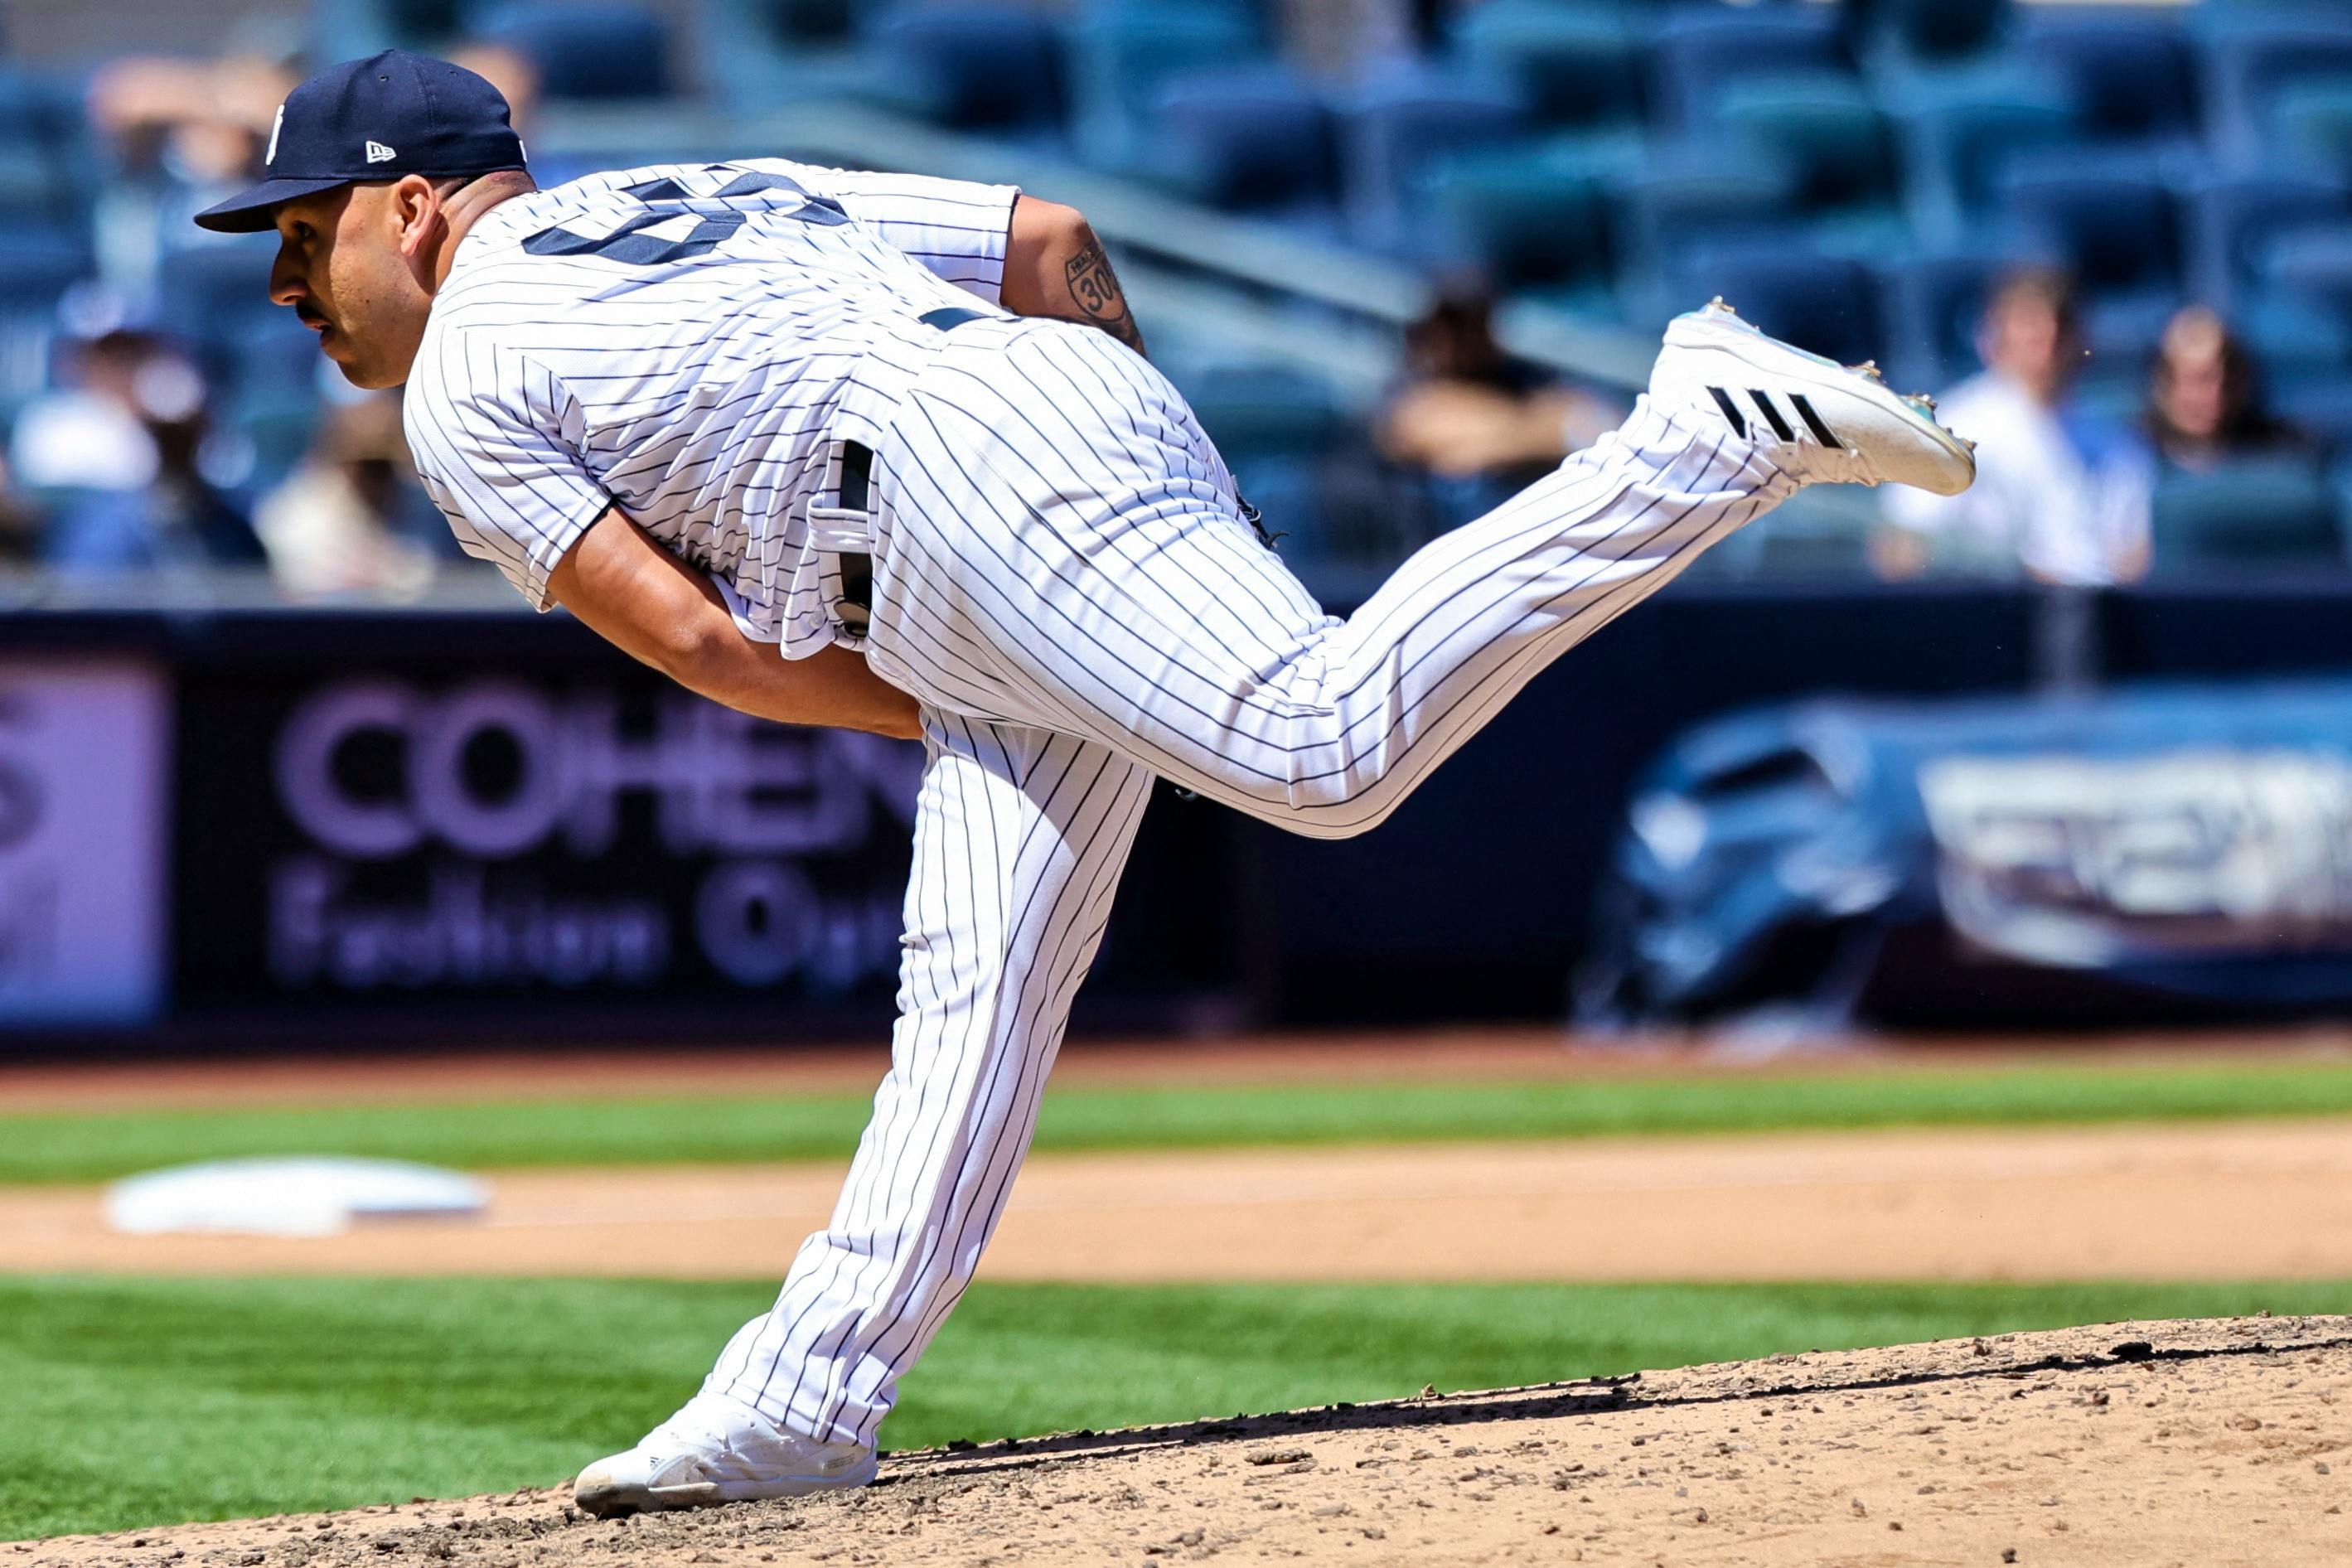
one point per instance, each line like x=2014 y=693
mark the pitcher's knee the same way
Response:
x=1343 y=813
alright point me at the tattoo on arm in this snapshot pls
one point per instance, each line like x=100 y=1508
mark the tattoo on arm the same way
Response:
x=1095 y=293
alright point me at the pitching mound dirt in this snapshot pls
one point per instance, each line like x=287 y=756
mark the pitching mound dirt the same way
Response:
x=2140 y=1444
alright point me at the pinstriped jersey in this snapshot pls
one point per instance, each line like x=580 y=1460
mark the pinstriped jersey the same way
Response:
x=686 y=341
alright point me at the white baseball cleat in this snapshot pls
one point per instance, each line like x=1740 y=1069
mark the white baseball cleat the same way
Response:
x=715 y=1450
x=1823 y=422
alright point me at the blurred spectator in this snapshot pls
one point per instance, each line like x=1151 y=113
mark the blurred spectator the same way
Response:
x=182 y=134
x=205 y=120
x=2058 y=491
x=1467 y=411
x=2203 y=405
x=352 y=517
x=89 y=434
x=143 y=498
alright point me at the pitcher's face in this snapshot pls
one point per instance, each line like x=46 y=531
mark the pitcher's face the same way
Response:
x=342 y=269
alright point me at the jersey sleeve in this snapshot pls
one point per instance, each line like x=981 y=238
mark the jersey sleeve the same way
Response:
x=957 y=228
x=494 y=436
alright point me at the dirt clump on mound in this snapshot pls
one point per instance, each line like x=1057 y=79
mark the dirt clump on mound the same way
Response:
x=2142 y=1444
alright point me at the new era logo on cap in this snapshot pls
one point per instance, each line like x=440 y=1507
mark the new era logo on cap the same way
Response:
x=391 y=114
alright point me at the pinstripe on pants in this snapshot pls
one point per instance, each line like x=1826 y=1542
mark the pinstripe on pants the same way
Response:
x=1063 y=577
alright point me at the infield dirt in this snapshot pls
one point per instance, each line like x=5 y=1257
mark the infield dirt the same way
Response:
x=2128 y=1202
x=2198 y=1444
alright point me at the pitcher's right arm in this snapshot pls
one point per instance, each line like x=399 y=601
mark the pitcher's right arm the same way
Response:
x=663 y=612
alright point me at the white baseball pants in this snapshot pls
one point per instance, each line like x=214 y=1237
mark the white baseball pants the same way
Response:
x=1061 y=576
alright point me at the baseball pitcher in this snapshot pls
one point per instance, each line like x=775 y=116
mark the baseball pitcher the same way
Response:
x=884 y=452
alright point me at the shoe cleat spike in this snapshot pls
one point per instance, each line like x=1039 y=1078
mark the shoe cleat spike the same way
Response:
x=1868 y=367
x=1920 y=401
x=1971 y=446
x=1717 y=307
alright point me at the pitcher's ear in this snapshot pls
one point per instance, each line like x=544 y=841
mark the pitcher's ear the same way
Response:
x=414 y=210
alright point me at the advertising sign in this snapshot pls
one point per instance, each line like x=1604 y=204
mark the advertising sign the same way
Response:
x=2169 y=852
x=2206 y=851
x=452 y=836
x=83 y=798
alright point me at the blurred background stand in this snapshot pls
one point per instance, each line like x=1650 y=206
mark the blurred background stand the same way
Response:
x=1400 y=254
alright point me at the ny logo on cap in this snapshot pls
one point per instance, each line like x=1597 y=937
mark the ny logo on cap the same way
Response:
x=275 y=127
x=377 y=153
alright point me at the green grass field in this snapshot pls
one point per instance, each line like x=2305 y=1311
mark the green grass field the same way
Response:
x=84 y=1147
x=139 y=1402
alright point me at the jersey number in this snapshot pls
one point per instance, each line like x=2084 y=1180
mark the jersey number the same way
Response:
x=666 y=199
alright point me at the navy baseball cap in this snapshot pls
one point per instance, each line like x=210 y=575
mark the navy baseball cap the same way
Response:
x=390 y=114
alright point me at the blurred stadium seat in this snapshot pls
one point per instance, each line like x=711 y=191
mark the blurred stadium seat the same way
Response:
x=1265 y=409
x=1252 y=139
x=756 y=54
x=1829 y=136
x=1573 y=65
x=586 y=51
x=2267 y=514
x=796 y=24
x=1536 y=220
x=1828 y=305
x=2112 y=220
x=1705 y=49
x=1958 y=142
x=2235 y=220
x=37 y=264
x=1941 y=35
x=2255 y=59
x=2322 y=406
x=214 y=293
x=2314 y=121
x=2130 y=71
x=36 y=267
x=38 y=112
x=2294 y=340
x=1398 y=125
x=343 y=29
x=2314 y=262
x=1667 y=209
x=977 y=67
x=1122 y=52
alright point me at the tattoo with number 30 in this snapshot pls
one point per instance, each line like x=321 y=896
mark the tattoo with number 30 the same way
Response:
x=1095 y=290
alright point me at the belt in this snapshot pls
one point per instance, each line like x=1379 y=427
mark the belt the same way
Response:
x=855 y=606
